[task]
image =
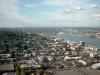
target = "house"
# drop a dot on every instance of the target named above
(66, 58)
(28, 63)
(96, 66)
(5, 55)
(85, 62)
(7, 67)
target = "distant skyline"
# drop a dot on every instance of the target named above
(49, 13)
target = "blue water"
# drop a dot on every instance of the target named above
(74, 38)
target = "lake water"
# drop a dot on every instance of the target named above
(74, 38)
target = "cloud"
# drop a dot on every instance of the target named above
(64, 12)
(19, 21)
(78, 8)
(93, 6)
(10, 16)
(68, 11)
(97, 15)
(54, 2)
(9, 6)
(74, 10)
(28, 5)
(8, 11)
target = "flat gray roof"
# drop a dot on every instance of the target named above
(81, 71)
(6, 67)
(66, 72)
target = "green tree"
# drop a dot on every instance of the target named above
(18, 70)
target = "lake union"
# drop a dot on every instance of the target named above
(74, 38)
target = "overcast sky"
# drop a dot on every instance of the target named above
(48, 13)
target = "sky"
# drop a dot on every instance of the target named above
(49, 13)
